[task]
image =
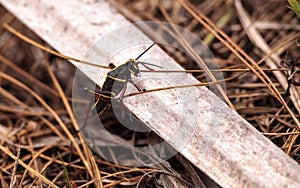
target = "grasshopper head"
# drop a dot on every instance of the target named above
(132, 66)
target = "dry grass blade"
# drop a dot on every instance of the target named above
(16, 82)
(31, 111)
(260, 43)
(70, 136)
(90, 163)
(33, 160)
(26, 75)
(200, 61)
(43, 178)
(13, 179)
(13, 31)
(178, 87)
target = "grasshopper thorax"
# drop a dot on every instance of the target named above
(132, 66)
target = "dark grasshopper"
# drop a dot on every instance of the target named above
(116, 82)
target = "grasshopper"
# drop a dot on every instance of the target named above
(118, 77)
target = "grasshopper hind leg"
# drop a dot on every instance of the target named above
(99, 103)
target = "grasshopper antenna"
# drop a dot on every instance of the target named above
(145, 51)
(145, 64)
(147, 67)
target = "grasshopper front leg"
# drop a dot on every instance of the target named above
(125, 87)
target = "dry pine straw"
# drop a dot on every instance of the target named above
(256, 95)
(36, 107)
(37, 115)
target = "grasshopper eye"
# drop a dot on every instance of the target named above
(133, 67)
